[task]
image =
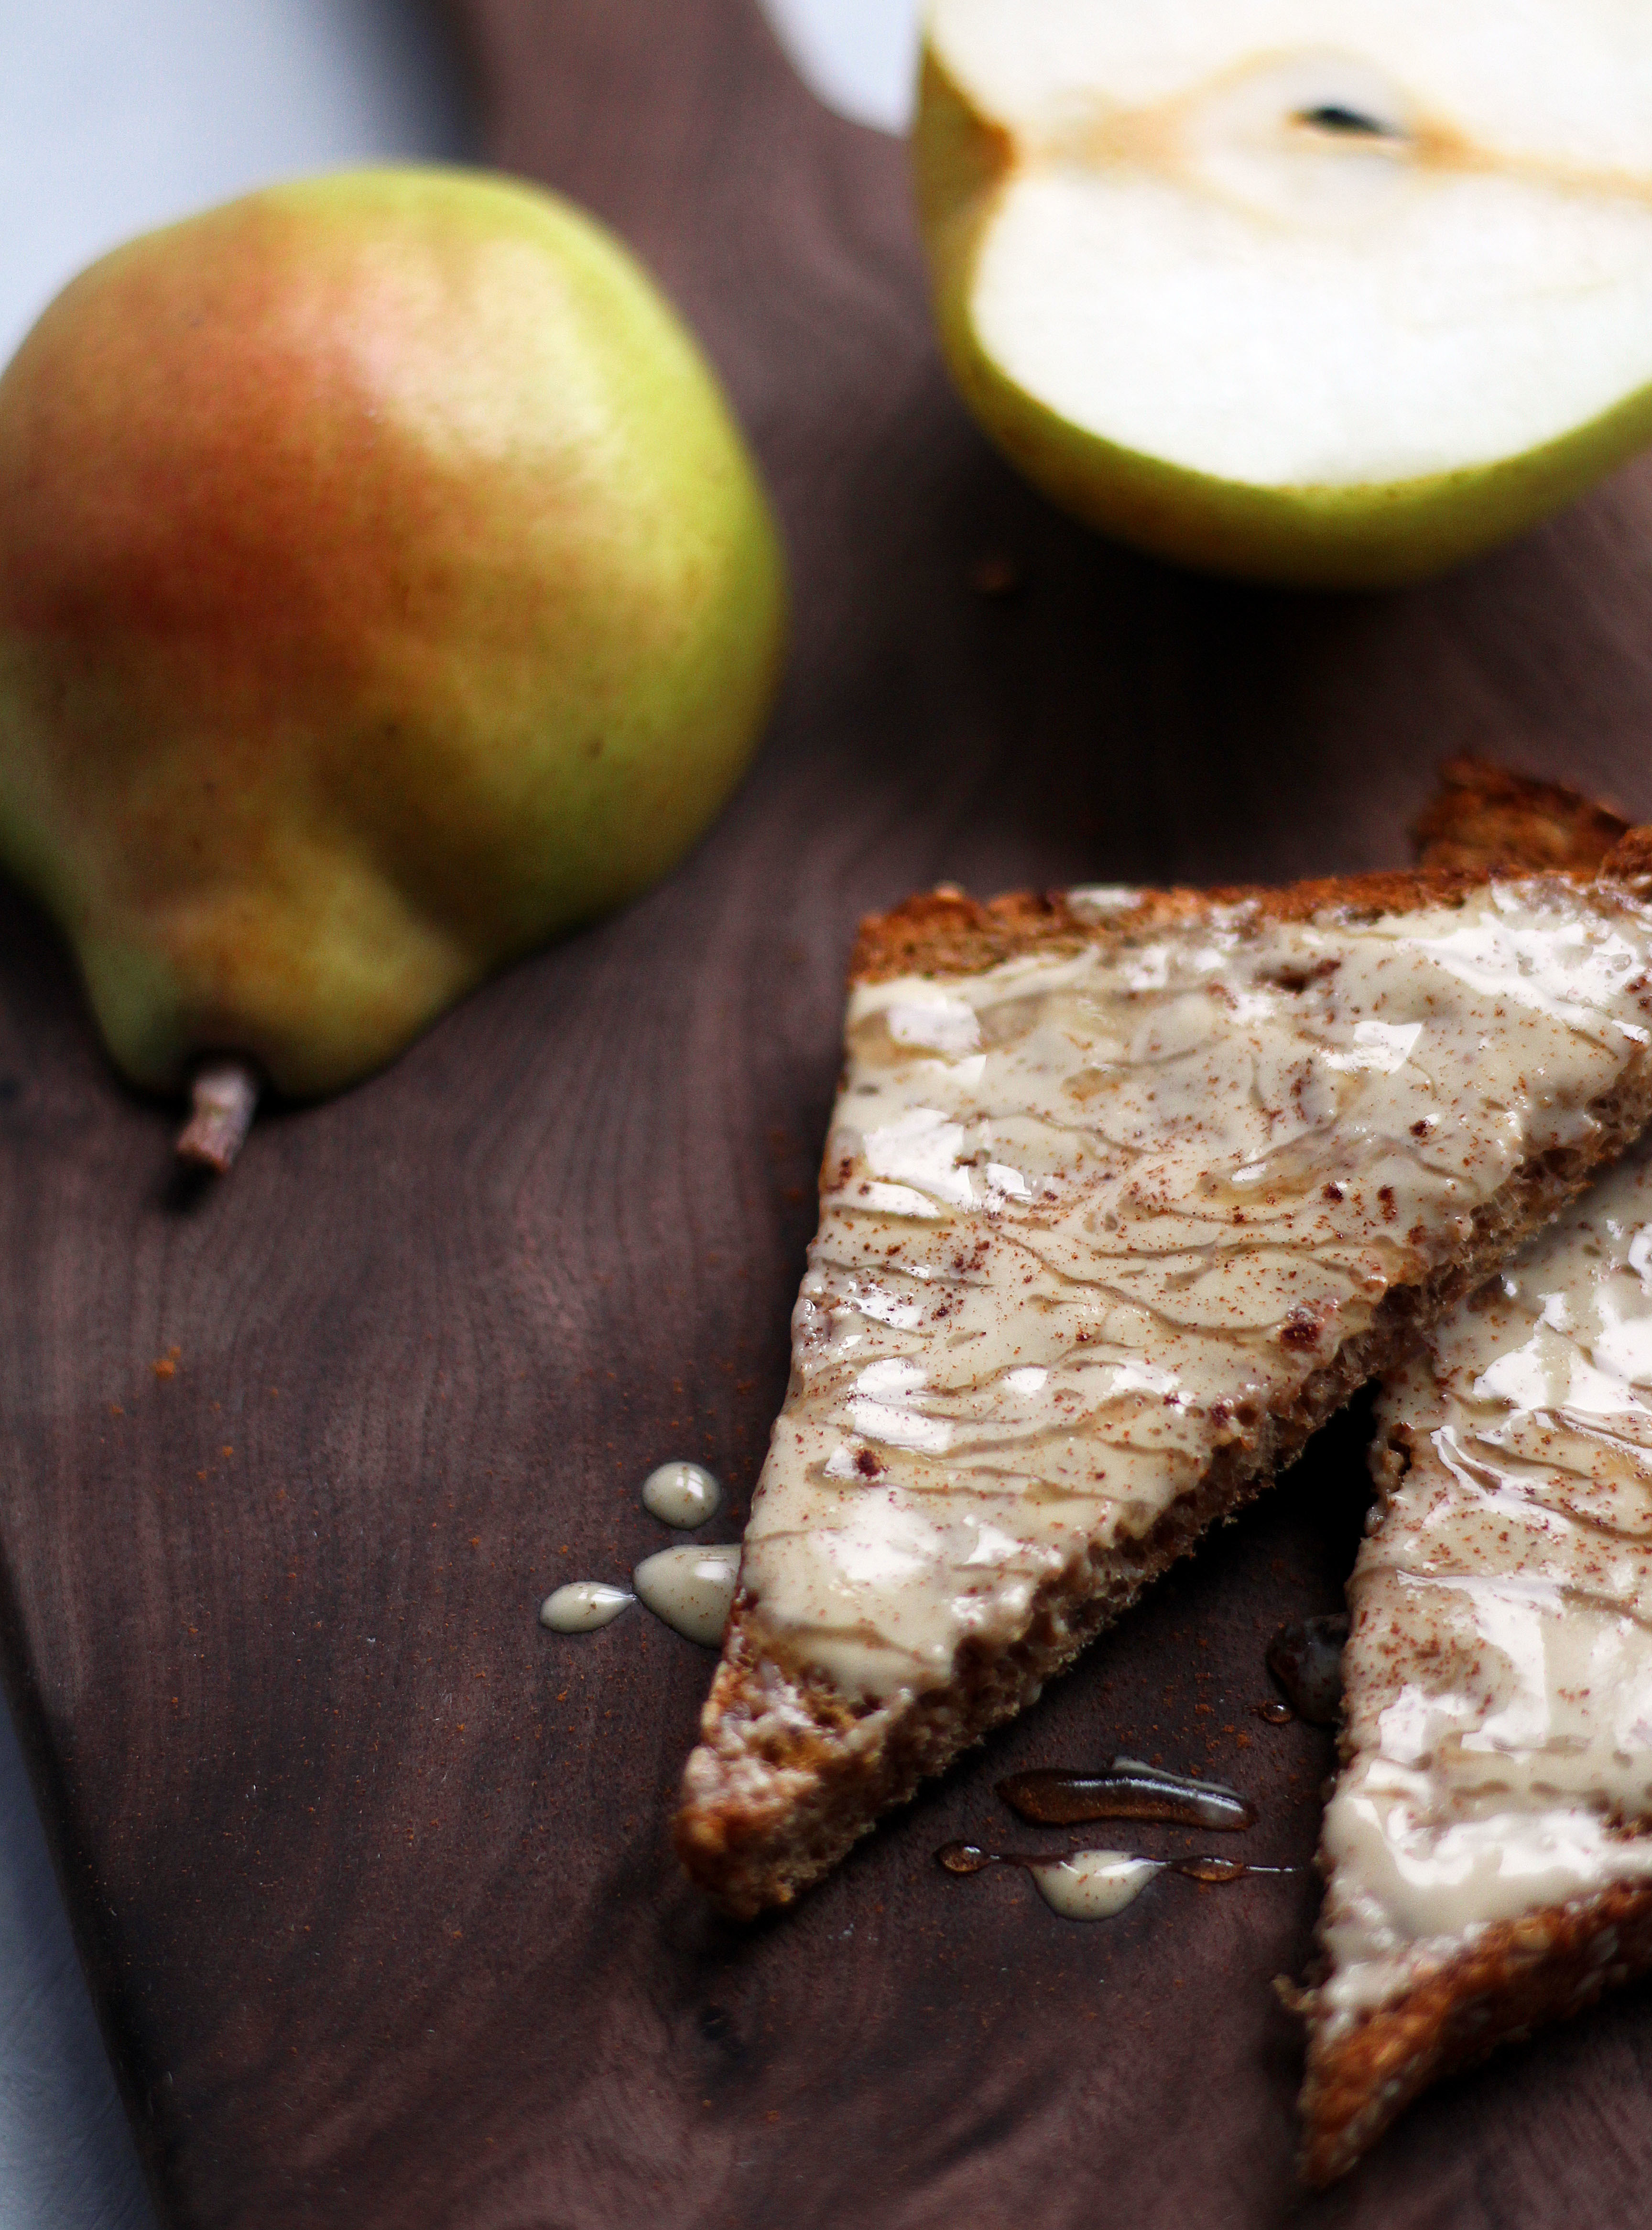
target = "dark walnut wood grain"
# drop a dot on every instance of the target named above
(372, 1875)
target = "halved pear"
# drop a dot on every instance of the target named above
(1325, 291)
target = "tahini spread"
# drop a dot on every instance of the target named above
(1498, 1679)
(1093, 1885)
(691, 1588)
(1085, 1219)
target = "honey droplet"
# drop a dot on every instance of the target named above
(1126, 1789)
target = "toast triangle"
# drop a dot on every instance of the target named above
(1125, 1193)
(1487, 1848)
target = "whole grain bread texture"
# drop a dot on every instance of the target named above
(1510, 1980)
(790, 1771)
(1485, 819)
(1556, 1960)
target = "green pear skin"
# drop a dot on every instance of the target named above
(384, 587)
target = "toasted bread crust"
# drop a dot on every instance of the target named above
(943, 933)
(791, 1772)
(1485, 820)
(1520, 1972)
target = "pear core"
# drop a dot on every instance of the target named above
(384, 587)
(1321, 290)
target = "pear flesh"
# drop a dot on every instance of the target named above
(1321, 290)
(384, 587)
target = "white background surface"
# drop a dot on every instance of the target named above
(861, 55)
(113, 119)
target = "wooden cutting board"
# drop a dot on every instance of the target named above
(370, 1874)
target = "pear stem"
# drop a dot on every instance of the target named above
(223, 1098)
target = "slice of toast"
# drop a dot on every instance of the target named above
(1511, 1545)
(1487, 1848)
(1125, 1193)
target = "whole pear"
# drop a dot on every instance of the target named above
(384, 587)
